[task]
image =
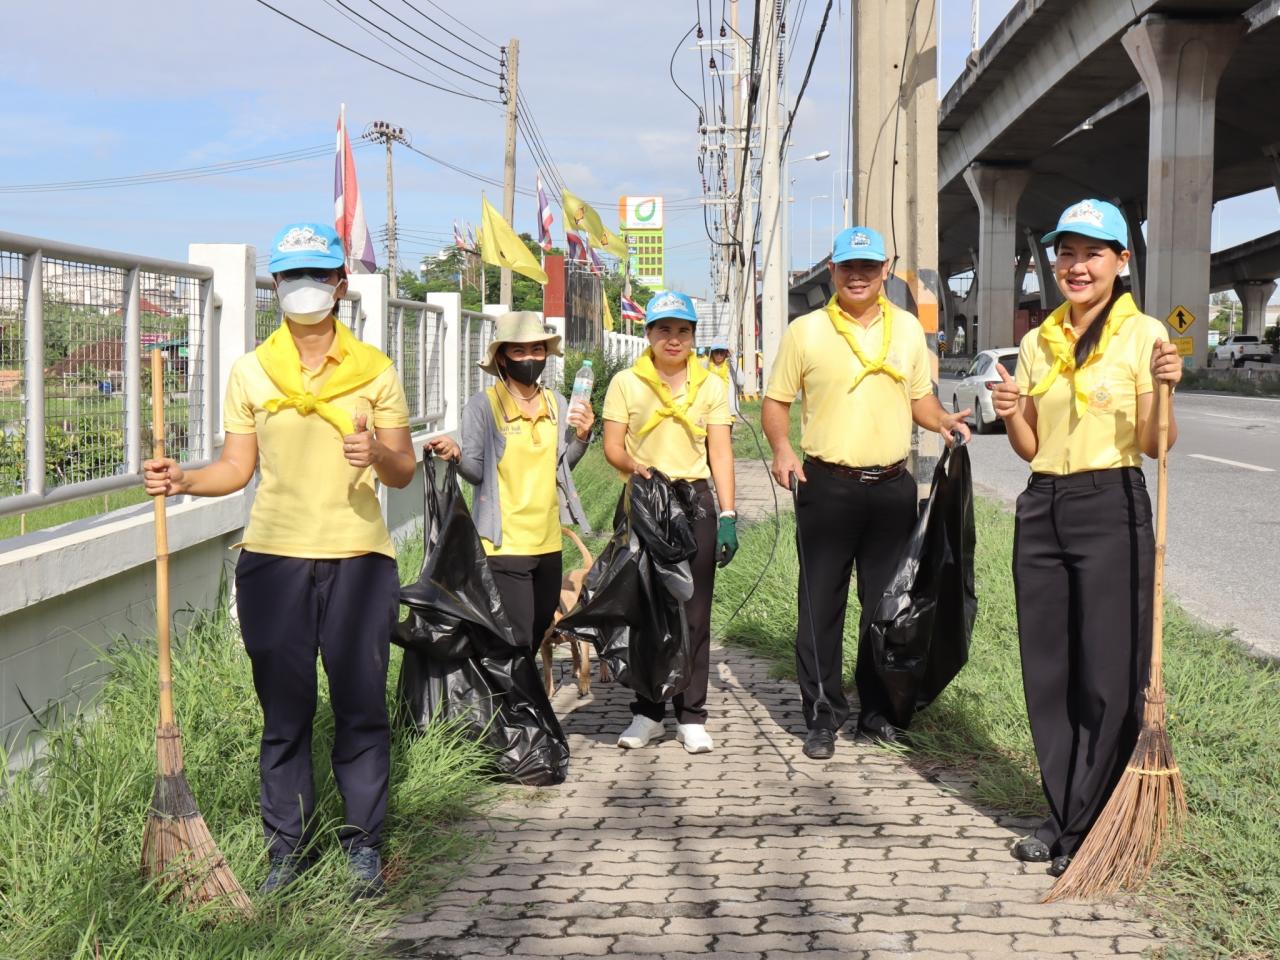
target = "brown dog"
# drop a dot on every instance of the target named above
(570, 590)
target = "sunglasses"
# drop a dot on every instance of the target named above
(311, 273)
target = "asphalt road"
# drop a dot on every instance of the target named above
(1223, 560)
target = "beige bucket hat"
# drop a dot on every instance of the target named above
(520, 326)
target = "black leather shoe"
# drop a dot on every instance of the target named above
(880, 730)
(820, 744)
(1031, 850)
(1059, 866)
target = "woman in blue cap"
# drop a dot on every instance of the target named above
(320, 414)
(668, 412)
(1081, 412)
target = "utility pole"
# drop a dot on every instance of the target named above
(773, 195)
(511, 64)
(389, 134)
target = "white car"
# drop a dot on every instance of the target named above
(973, 391)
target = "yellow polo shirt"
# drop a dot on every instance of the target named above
(310, 502)
(867, 426)
(1106, 435)
(668, 446)
(527, 494)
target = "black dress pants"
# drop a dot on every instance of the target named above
(530, 590)
(843, 524)
(690, 704)
(289, 610)
(1083, 568)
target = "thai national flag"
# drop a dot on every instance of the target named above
(457, 237)
(597, 265)
(348, 211)
(544, 217)
(577, 249)
(632, 312)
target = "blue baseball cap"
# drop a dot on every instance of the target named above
(720, 345)
(858, 243)
(670, 304)
(302, 245)
(1092, 218)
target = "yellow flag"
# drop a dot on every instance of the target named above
(608, 314)
(580, 215)
(502, 246)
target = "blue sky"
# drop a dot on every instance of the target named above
(99, 90)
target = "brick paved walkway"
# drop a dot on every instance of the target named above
(751, 852)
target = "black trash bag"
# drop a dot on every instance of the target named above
(461, 659)
(632, 602)
(922, 623)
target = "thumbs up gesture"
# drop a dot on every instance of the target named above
(361, 448)
(1004, 394)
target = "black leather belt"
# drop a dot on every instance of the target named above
(861, 474)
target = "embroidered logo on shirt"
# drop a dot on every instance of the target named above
(1101, 399)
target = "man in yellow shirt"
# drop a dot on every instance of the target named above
(317, 572)
(864, 372)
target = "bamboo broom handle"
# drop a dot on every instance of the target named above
(1162, 516)
(162, 544)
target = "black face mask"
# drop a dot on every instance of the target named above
(525, 372)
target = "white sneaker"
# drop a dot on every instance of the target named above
(641, 732)
(694, 736)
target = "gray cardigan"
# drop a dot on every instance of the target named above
(482, 448)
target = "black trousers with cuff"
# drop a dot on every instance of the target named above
(290, 609)
(530, 591)
(844, 524)
(1083, 569)
(690, 705)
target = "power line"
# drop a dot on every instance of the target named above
(183, 173)
(373, 60)
(431, 39)
(405, 43)
(450, 32)
(822, 28)
(482, 178)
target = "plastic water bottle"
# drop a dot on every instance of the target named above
(582, 384)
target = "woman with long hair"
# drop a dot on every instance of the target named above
(1082, 412)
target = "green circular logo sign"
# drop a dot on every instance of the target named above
(645, 210)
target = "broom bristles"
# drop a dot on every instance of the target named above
(177, 844)
(1147, 808)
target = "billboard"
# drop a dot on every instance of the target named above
(640, 213)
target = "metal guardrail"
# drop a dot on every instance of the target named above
(415, 341)
(74, 414)
(473, 339)
(624, 346)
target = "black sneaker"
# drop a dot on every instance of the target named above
(1031, 850)
(285, 868)
(365, 864)
(820, 744)
(879, 730)
(1059, 866)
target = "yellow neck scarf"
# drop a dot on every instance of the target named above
(278, 355)
(1053, 334)
(721, 370)
(842, 322)
(647, 372)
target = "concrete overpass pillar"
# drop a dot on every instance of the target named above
(1254, 296)
(1137, 250)
(1050, 295)
(996, 191)
(1180, 63)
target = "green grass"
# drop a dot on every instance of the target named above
(1219, 889)
(1207, 381)
(745, 446)
(45, 517)
(70, 829)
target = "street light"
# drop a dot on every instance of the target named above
(786, 206)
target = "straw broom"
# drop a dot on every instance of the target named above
(1148, 805)
(176, 843)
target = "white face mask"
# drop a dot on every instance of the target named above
(306, 301)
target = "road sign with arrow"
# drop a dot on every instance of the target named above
(1181, 319)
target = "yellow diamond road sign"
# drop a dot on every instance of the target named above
(1181, 319)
